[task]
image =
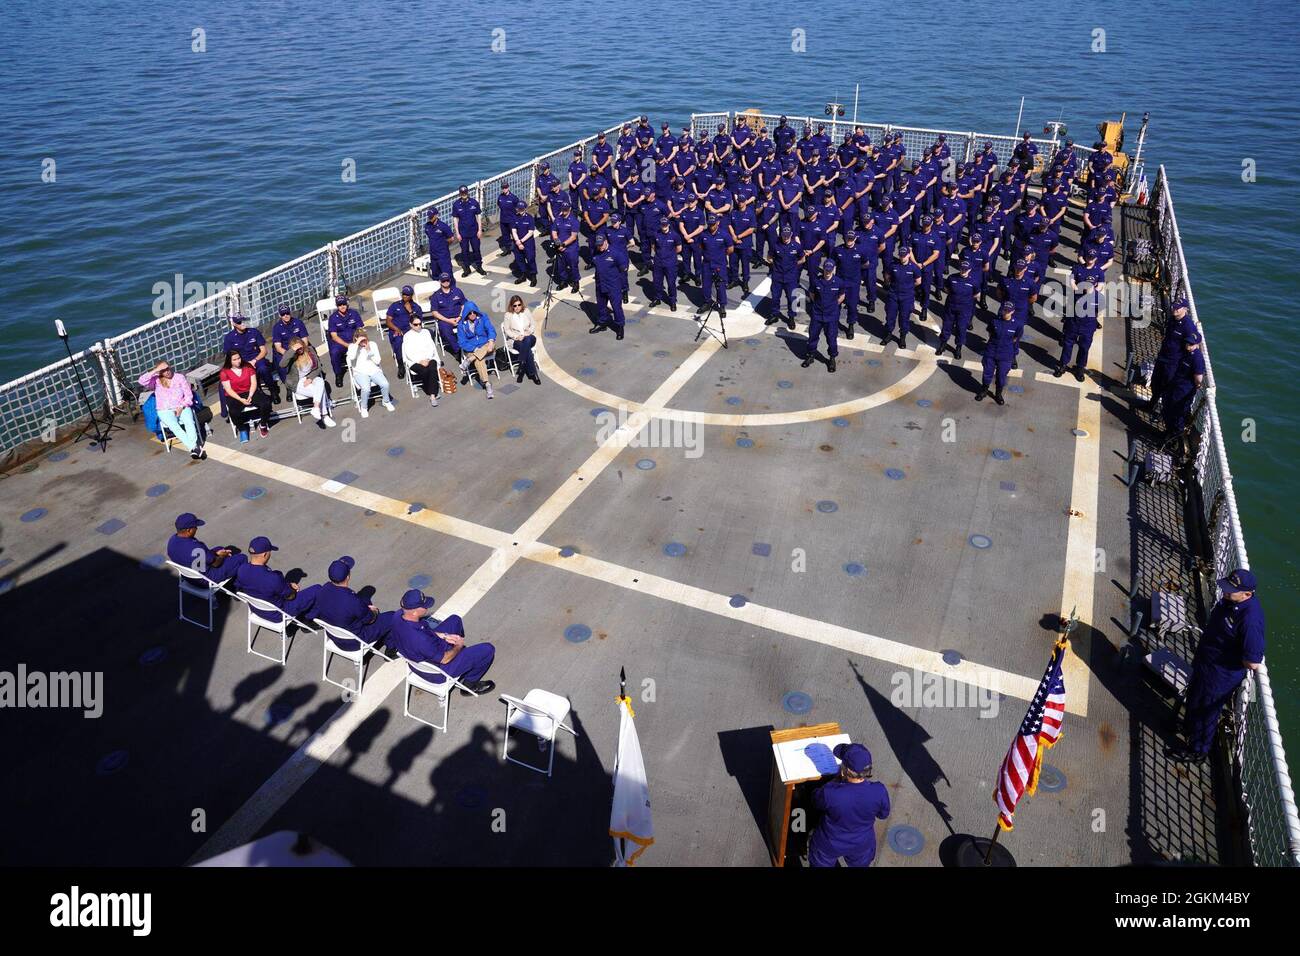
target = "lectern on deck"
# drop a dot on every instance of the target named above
(801, 755)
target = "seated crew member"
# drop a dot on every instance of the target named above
(343, 324)
(308, 380)
(850, 806)
(1231, 645)
(421, 357)
(363, 359)
(477, 339)
(184, 548)
(256, 579)
(285, 328)
(174, 403)
(397, 320)
(443, 644)
(244, 396)
(446, 306)
(336, 603)
(521, 337)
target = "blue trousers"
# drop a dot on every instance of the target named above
(828, 324)
(899, 311)
(566, 265)
(715, 283)
(440, 262)
(996, 365)
(525, 258)
(786, 285)
(609, 300)
(1072, 337)
(738, 267)
(470, 250)
(665, 281)
(1206, 698)
(955, 320)
(821, 854)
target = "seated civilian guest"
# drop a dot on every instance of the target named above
(256, 579)
(418, 639)
(521, 336)
(421, 358)
(363, 358)
(337, 604)
(184, 548)
(174, 401)
(245, 399)
(308, 380)
(477, 339)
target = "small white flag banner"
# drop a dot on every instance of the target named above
(629, 818)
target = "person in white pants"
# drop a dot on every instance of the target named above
(363, 357)
(309, 384)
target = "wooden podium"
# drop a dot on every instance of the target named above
(799, 755)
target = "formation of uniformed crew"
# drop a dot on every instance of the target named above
(408, 630)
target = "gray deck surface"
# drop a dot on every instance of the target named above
(194, 723)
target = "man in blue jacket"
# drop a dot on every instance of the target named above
(184, 548)
(477, 339)
(256, 579)
(850, 805)
(441, 643)
(337, 604)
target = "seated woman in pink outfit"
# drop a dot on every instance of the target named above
(174, 402)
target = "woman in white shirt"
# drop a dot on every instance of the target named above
(421, 359)
(521, 336)
(363, 358)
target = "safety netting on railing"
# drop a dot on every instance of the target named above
(374, 253)
(36, 406)
(187, 338)
(297, 284)
(1259, 758)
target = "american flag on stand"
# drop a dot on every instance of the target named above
(1040, 729)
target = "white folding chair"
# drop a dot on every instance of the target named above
(334, 633)
(511, 355)
(541, 714)
(197, 585)
(262, 615)
(423, 290)
(421, 676)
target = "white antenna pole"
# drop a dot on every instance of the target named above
(855, 103)
(1020, 115)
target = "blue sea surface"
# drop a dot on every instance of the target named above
(217, 165)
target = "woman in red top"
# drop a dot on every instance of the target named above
(244, 399)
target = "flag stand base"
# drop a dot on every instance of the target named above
(974, 851)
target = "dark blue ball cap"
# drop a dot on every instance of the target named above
(1019, 264)
(237, 320)
(546, 165)
(188, 520)
(850, 236)
(854, 756)
(444, 277)
(260, 545)
(964, 265)
(408, 290)
(1242, 579)
(340, 569)
(600, 239)
(927, 221)
(340, 300)
(415, 598)
(712, 220)
(285, 310)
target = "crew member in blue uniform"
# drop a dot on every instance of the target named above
(256, 579)
(609, 288)
(667, 250)
(784, 137)
(439, 237)
(849, 260)
(286, 327)
(960, 289)
(398, 320)
(928, 247)
(715, 249)
(508, 207)
(741, 227)
(824, 315)
(1183, 385)
(850, 806)
(577, 176)
(1179, 329)
(564, 232)
(999, 352)
(184, 548)
(902, 279)
(872, 245)
(524, 246)
(618, 235)
(602, 157)
(768, 229)
(692, 224)
(546, 181)
(813, 239)
(466, 211)
(341, 327)
(252, 348)
(786, 254)
(446, 305)
(1022, 292)
(337, 604)
(1078, 327)
(1231, 645)
(442, 643)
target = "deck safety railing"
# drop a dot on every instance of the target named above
(35, 407)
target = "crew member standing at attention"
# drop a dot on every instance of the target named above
(524, 246)
(928, 246)
(1179, 329)
(546, 182)
(741, 226)
(850, 807)
(619, 235)
(872, 245)
(667, 249)
(508, 207)
(440, 237)
(784, 271)
(692, 225)
(398, 321)
(1231, 645)
(577, 176)
(784, 137)
(999, 353)
(1183, 385)
(441, 643)
(1021, 292)
(1079, 326)
(848, 262)
(609, 289)
(466, 211)
(602, 158)
(256, 578)
(902, 279)
(716, 247)
(339, 605)
(958, 307)
(824, 316)
(185, 549)
(595, 218)
(564, 232)
(342, 326)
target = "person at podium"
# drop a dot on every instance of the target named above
(850, 805)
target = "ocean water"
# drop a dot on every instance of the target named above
(216, 165)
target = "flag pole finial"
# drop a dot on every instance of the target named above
(622, 681)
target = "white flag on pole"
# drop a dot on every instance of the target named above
(629, 818)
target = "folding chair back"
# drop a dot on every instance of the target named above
(195, 584)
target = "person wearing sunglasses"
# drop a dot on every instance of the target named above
(174, 402)
(421, 358)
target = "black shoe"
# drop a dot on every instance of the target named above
(831, 366)
(938, 349)
(464, 378)
(465, 273)
(479, 687)
(618, 333)
(789, 322)
(722, 313)
(532, 279)
(574, 287)
(596, 328)
(625, 298)
(338, 381)
(1078, 373)
(536, 380)
(1183, 755)
(519, 377)
(997, 397)
(902, 341)
(1058, 371)
(401, 374)
(957, 353)
(479, 269)
(702, 309)
(654, 303)
(673, 307)
(982, 393)
(744, 288)
(1015, 363)
(807, 360)
(196, 455)
(773, 319)
(849, 333)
